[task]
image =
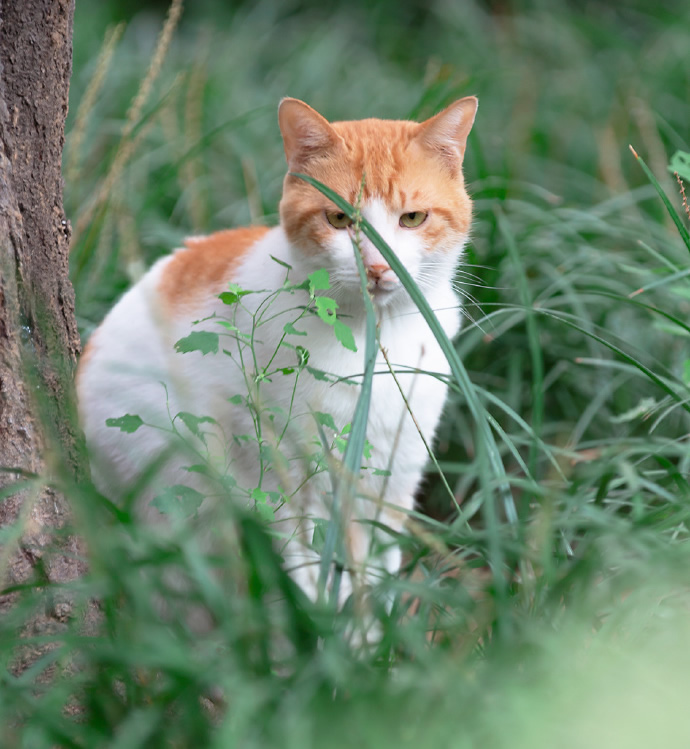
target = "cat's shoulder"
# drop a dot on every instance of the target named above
(205, 264)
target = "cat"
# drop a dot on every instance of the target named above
(278, 381)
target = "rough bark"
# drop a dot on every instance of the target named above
(39, 342)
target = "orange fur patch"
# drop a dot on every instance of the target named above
(203, 267)
(399, 170)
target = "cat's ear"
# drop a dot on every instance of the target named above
(305, 132)
(446, 132)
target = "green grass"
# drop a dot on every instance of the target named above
(558, 618)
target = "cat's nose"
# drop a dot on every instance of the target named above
(375, 272)
(381, 276)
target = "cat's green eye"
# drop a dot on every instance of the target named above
(338, 220)
(413, 219)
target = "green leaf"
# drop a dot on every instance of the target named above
(261, 503)
(200, 340)
(290, 329)
(227, 325)
(319, 374)
(319, 538)
(265, 512)
(281, 262)
(302, 356)
(325, 309)
(238, 290)
(680, 162)
(128, 423)
(326, 420)
(227, 297)
(192, 423)
(686, 371)
(178, 501)
(318, 281)
(344, 334)
(381, 472)
(236, 400)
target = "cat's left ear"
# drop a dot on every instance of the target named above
(446, 132)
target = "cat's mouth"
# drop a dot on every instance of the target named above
(382, 292)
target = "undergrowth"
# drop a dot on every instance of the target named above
(545, 601)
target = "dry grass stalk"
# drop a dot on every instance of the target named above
(128, 145)
(112, 37)
(684, 197)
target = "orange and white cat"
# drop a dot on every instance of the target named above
(414, 195)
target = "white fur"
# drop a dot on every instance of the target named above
(133, 352)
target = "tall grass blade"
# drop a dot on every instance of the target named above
(345, 487)
(487, 450)
(532, 337)
(685, 235)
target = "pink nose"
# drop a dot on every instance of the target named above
(375, 272)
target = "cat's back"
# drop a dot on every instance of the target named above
(176, 287)
(132, 352)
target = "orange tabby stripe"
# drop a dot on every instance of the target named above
(204, 266)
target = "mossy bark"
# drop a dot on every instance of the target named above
(39, 342)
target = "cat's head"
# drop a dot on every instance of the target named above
(414, 193)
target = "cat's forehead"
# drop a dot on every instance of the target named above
(385, 152)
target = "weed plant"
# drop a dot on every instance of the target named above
(544, 596)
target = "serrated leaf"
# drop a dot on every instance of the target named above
(326, 420)
(344, 334)
(128, 423)
(178, 501)
(261, 503)
(236, 289)
(680, 162)
(290, 329)
(236, 400)
(192, 423)
(319, 374)
(318, 281)
(200, 340)
(325, 309)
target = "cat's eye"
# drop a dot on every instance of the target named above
(413, 219)
(338, 220)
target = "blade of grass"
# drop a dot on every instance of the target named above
(345, 485)
(631, 360)
(685, 235)
(532, 337)
(487, 450)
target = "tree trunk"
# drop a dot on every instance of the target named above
(39, 342)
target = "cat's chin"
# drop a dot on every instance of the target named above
(383, 297)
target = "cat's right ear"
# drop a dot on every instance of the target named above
(446, 133)
(305, 132)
